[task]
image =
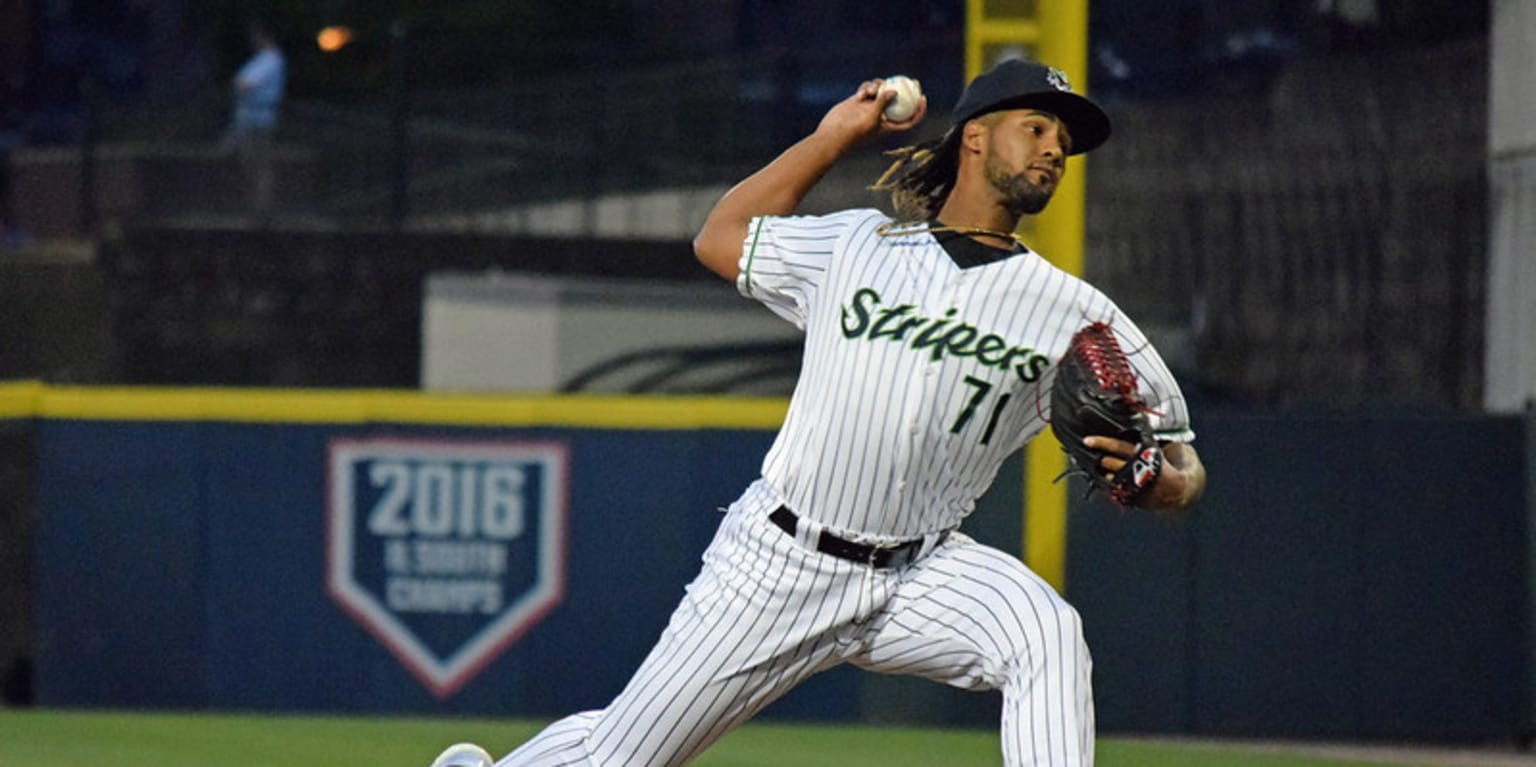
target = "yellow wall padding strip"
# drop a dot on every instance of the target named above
(36, 400)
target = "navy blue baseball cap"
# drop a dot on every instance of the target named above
(1024, 84)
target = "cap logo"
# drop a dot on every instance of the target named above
(1058, 79)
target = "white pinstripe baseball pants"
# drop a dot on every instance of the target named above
(766, 612)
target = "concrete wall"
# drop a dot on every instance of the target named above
(1511, 348)
(522, 333)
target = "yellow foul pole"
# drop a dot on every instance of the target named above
(1054, 32)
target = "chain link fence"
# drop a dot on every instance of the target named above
(1316, 234)
(1322, 241)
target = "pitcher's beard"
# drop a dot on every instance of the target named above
(1021, 196)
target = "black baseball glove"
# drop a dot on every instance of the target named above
(1094, 394)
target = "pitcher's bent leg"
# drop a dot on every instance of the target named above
(975, 617)
(762, 616)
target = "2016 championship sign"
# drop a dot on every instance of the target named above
(445, 550)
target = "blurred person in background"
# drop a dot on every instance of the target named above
(259, 87)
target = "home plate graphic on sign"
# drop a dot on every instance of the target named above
(446, 550)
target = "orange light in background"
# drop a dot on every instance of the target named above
(332, 39)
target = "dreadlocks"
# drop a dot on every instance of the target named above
(921, 175)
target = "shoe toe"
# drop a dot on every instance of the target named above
(464, 755)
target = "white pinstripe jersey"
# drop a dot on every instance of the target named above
(919, 377)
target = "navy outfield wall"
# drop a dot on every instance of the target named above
(392, 552)
(196, 561)
(379, 552)
(1343, 577)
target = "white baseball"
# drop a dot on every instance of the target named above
(901, 108)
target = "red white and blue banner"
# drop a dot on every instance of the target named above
(446, 550)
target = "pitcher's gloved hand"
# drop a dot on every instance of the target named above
(1094, 394)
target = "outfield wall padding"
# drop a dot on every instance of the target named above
(1343, 577)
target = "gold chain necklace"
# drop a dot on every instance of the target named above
(902, 228)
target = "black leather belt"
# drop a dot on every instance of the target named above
(881, 557)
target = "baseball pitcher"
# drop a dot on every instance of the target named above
(932, 344)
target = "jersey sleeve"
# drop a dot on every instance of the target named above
(1156, 384)
(785, 258)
